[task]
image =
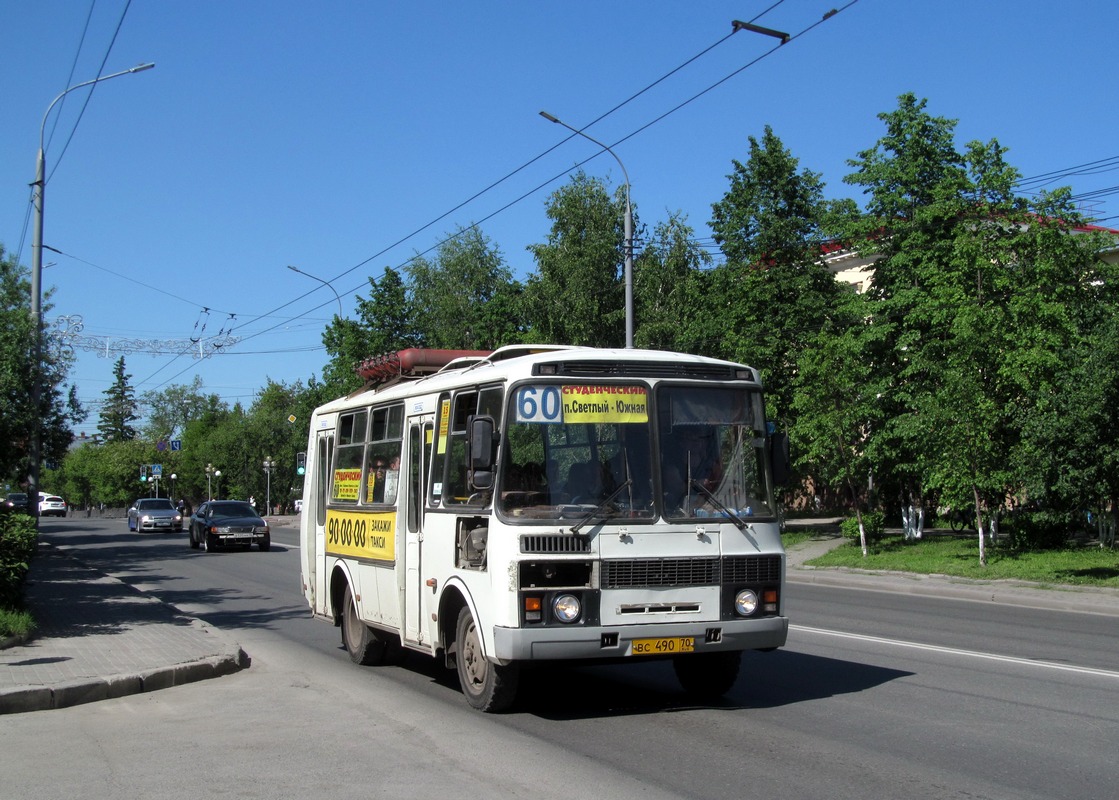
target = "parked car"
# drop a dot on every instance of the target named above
(154, 514)
(51, 505)
(218, 523)
(17, 501)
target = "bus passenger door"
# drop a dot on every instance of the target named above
(314, 514)
(414, 591)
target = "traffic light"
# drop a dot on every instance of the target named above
(300, 463)
(143, 473)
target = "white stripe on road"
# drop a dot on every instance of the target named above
(1106, 673)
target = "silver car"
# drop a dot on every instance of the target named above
(154, 514)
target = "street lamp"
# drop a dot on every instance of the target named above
(173, 477)
(211, 473)
(324, 283)
(34, 454)
(268, 465)
(628, 225)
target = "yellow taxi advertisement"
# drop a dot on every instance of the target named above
(355, 534)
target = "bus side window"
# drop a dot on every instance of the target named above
(382, 455)
(457, 489)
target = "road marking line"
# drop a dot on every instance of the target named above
(1106, 673)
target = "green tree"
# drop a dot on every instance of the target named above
(836, 403)
(271, 436)
(170, 410)
(978, 302)
(773, 293)
(464, 297)
(58, 409)
(385, 323)
(119, 409)
(576, 295)
(667, 285)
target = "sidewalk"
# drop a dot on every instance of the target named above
(100, 638)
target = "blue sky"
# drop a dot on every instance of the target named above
(343, 137)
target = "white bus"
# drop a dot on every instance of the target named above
(546, 503)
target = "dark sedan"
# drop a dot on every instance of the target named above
(219, 523)
(18, 501)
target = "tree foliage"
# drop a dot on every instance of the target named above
(980, 297)
(58, 409)
(465, 297)
(119, 409)
(668, 281)
(385, 323)
(576, 295)
(773, 292)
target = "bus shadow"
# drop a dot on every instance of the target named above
(767, 680)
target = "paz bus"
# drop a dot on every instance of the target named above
(547, 504)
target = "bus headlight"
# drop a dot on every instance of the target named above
(746, 602)
(566, 607)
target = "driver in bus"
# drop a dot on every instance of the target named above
(692, 454)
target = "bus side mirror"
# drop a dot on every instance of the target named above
(483, 441)
(779, 458)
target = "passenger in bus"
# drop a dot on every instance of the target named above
(375, 482)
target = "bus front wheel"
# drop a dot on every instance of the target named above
(487, 686)
(365, 646)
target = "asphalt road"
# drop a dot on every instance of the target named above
(877, 695)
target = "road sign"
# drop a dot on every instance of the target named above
(157, 470)
(176, 445)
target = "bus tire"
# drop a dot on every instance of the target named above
(707, 676)
(488, 687)
(364, 645)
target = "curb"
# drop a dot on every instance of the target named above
(1017, 593)
(89, 690)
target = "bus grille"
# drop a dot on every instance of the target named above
(752, 569)
(641, 572)
(660, 572)
(554, 543)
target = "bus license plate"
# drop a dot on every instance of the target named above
(662, 647)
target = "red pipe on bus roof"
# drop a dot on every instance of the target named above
(414, 360)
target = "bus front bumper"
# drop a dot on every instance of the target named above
(555, 643)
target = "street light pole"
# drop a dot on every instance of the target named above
(34, 450)
(628, 225)
(327, 284)
(268, 465)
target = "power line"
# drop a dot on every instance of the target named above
(89, 96)
(537, 188)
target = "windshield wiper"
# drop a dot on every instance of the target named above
(737, 520)
(597, 509)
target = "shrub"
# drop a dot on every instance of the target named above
(18, 540)
(1036, 530)
(874, 523)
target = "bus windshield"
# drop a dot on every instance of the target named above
(712, 445)
(571, 448)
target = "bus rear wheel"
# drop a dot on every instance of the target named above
(365, 646)
(707, 676)
(488, 687)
